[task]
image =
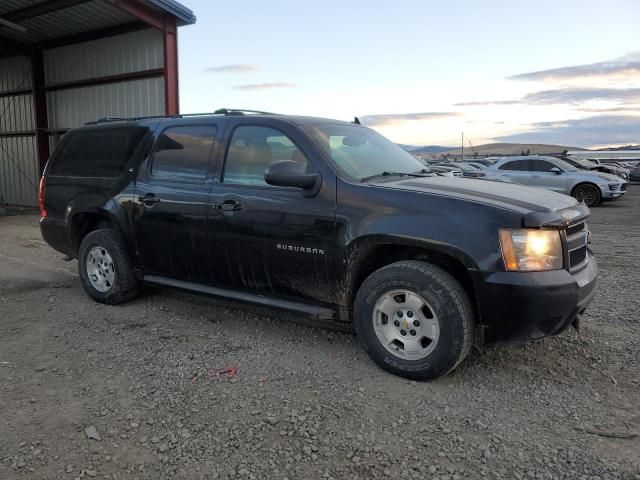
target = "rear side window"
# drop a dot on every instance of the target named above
(520, 165)
(182, 153)
(99, 152)
(541, 166)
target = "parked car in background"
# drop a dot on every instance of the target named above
(481, 166)
(634, 173)
(482, 161)
(613, 169)
(443, 169)
(468, 170)
(557, 175)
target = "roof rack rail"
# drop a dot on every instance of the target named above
(221, 111)
(240, 111)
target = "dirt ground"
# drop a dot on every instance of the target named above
(178, 386)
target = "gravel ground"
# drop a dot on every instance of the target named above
(177, 386)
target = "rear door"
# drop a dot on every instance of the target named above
(171, 197)
(266, 238)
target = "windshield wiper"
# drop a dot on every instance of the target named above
(387, 173)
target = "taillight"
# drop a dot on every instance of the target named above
(43, 210)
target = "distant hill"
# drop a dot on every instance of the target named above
(513, 149)
(424, 149)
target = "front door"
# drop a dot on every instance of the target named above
(172, 202)
(542, 176)
(267, 238)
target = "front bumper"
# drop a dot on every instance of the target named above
(518, 307)
(608, 194)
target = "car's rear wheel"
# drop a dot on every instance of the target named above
(414, 320)
(587, 193)
(105, 270)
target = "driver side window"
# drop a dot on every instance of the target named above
(252, 149)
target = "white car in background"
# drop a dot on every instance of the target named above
(557, 175)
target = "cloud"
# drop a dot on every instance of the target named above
(580, 95)
(566, 96)
(596, 130)
(627, 65)
(264, 86)
(395, 118)
(627, 108)
(237, 68)
(487, 102)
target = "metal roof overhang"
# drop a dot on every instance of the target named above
(30, 25)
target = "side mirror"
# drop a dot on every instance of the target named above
(556, 170)
(287, 173)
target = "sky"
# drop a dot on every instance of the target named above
(422, 72)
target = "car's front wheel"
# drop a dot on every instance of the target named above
(414, 320)
(587, 193)
(105, 270)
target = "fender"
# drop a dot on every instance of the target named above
(359, 252)
(113, 210)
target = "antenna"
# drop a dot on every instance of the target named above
(356, 120)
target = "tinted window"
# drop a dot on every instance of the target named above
(96, 151)
(520, 165)
(541, 166)
(252, 149)
(182, 153)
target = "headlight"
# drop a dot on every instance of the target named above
(529, 250)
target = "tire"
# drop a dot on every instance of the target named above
(587, 193)
(113, 280)
(445, 301)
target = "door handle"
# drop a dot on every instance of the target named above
(149, 199)
(230, 205)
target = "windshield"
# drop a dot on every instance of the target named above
(565, 165)
(359, 152)
(578, 162)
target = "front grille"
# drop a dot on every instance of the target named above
(578, 256)
(577, 240)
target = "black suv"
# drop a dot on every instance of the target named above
(322, 217)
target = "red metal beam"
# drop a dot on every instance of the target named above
(171, 89)
(40, 106)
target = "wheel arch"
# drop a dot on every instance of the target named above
(81, 222)
(589, 183)
(370, 253)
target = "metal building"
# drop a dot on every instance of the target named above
(66, 62)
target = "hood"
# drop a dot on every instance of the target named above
(609, 177)
(503, 195)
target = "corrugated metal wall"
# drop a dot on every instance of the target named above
(19, 170)
(132, 52)
(72, 107)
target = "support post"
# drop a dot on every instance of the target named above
(170, 40)
(40, 106)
